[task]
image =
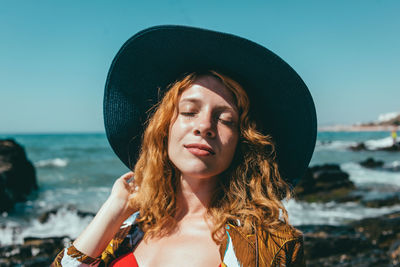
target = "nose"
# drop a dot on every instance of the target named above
(204, 126)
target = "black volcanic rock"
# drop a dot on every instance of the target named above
(17, 174)
(371, 163)
(392, 148)
(382, 202)
(34, 251)
(367, 242)
(383, 230)
(325, 240)
(325, 183)
(359, 147)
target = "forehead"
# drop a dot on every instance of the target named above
(208, 88)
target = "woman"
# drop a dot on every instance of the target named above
(207, 189)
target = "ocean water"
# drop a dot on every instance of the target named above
(76, 172)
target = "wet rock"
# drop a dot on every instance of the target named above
(359, 147)
(325, 183)
(380, 165)
(34, 251)
(381, 202)
(371, 163)
(373, 257)
(326, 240)
(382, 231)
(392, 148)
(17, 174)
(368, 242)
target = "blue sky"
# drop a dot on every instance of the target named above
(54, 55)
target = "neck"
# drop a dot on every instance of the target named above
(194, 196)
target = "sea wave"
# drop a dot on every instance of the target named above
(372, 144)
(65, 222)
(57, 163)
(331, 213)
(379, 143)
(68, 222)
(360, 175)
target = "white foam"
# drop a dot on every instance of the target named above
(301, 213)
(65, 222)
(393, 165)
(360, 175)
(379, 143)
(57, 162)
(83, 198)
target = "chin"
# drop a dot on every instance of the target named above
(199, 172)
(197, 168)
(202, 176)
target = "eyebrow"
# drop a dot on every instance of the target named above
(191, 100)
(198, 101)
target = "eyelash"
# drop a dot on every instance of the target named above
(189, 114)
(192, 114)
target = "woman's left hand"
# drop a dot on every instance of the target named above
(117, 208)
(123, 191)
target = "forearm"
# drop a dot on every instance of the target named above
(97, 235)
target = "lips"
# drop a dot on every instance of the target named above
(200, 149)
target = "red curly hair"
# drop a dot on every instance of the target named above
(249, 191)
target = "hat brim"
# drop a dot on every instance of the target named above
(149, 61)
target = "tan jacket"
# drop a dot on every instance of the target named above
(265, 249)
(237, 249)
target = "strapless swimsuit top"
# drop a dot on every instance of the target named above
(127, 260)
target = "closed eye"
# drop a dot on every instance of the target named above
(188, 114)
(227, 122)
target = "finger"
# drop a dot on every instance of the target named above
(133, 186)
(136, 189)
(127, 176)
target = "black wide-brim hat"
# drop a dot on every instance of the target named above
(149, 61)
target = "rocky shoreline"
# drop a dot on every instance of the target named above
(368, 242)
(371, 241)
(33, 252)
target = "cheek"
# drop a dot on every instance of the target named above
(229, 137)
(177, 132)
(233, 144)
(230, 140)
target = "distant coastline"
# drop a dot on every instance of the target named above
(358, 128)
(386, 123)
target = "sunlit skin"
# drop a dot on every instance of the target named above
(203, 137)
(201, 144)
(202, 140)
